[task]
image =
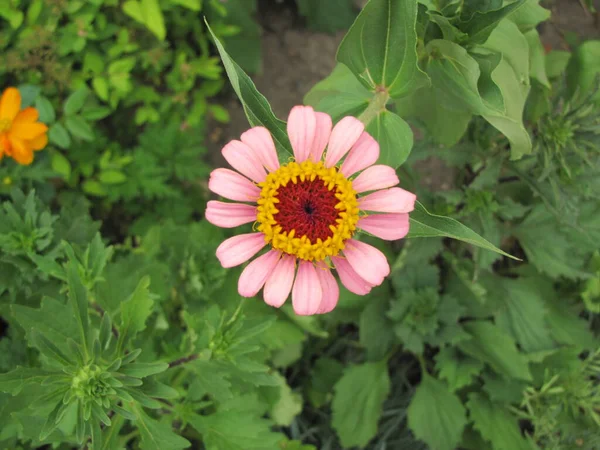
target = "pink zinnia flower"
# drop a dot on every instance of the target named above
(308, 211)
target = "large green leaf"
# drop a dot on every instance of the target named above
(12, 382)
(583, 68)
(512, 77)
(496, 424)
(455, 74)
(530, 15)
(257, 108)
(481, 24)
(358, 402)
(136, 310)
(339, 95)
(381, 46)
(537, 58)
(425, 224)
(444, 124)
(493, 346)
(53, 319)
(523, 313)
(436, 416)
(157, 435)
(394, 136)
(456, 368)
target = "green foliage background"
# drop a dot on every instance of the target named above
(118, 327)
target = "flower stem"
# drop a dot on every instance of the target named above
(376, 106)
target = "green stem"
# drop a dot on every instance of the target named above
(376, 106)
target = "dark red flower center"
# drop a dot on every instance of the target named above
(307, 207)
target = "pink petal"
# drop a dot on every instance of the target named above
(244, 160)
(331, 290)
(344, 135)
(239, 249)
(279, 284)
(301, 127)
(260, 141)
(367, 261)
(393, 200)
(322, 134)
(307, 292)
(256, 273)
(375, 177)
(232, 185)
(362, 155)
(350, 279)
(385, 226)
(229, 215)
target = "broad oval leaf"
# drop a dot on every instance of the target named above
(381, 46)
(257, 108)
(394, 136)
(358, 401)
(436, 416)
(425, 224)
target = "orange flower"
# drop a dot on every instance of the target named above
(20, 132)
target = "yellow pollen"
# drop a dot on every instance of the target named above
(301, 246)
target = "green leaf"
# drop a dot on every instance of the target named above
(557, 62)
(496, 348)
(79, 303)
(381, 47)
(523, 314)
(512, 77)
(157, 435)
(257, 108)
(135, 310)
(376, 332)
(79, 128)
(530, 15)
(394, 136)
(148, 13)
(436, 416)
(14, 381)
(53, 319)
(339, 95)
(48, 349)
(457, 369)
(548, 247)
(455, 74)
(537, 58)
(237, 425)
(584, 68)
(445, 125)
(100, 85)
(61, 165)
(58, 135)
(75, 101)
(46, 110)
(287, 405)
(496, 424)
(112, 177)
(481, 24)
(425, 224)
(142, 370)
(357, 405)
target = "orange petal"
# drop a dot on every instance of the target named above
(27, 115)
(4, 144)
(10, 103)
(27, 131)
(21, 152)
(39, 142)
